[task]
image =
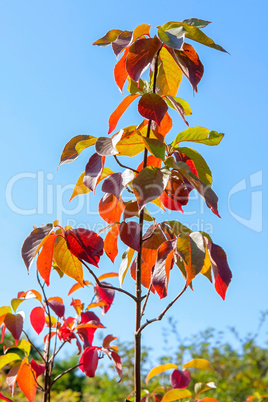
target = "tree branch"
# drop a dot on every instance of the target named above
(101, 285)
(159, 318)
(124, 166)
(37, 350)
(62, 374)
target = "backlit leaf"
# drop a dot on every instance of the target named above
(180, 379)
(177, 106)
(199, 364)
(14, 323)
(85, 245)
(152, 107)
(200, 135)
(140, 56)
(125, 263)
(8, 358)
(115, 116)
(169, 74)
(160, 369)
(110, 208)
(163, 265)
(156, 147)
(110, 242)
(93, 171)
(89, 361)
(130, 234)
(37, 318)
(77, 286)
(132, 209)
(108, 38)
(44, 259)
(32, 242)
(172, 37)
(105, 295)
(26, 380)
(149, 184)
(195, 22)
(117, 363)
(39, 369)
(23, 345)
(75, 146)
(56, 304)
(176, 394)
(120, 72)
(141, 30)
(221, 271)
(131, 144)
(189, 63)
(202, 387)
(67, 262)
(80, 188)
(204, 172)
(4, 398)
(108, 275)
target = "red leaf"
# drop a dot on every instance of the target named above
(110, 208)
(163, 265)
(87, 334)
(14, 323)
(220, 267)
(38, 368)
(165, 126)
(89, 361)
(176, 193)
(107, 340)
(44, 260)
(85, 244)
(116, 182)
(115, 116)
(180, 379)
(152, 107)
(130, 234)
(189, 63)
(106, 295)
(110, 242)
(57, 307)
(93, 171)
(117, 364)
(141, 55)
(120, 72)
(37, 318)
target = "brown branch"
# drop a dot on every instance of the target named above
(146, 299)
(59, 348)
(124, 166)
(159, 318)
(101, 285)
(62, 374)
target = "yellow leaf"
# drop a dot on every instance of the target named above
(176, 394)
(160, 369)
(66, 261)
(169, 76)
(80, 188)
(6, 359)
(199, 364)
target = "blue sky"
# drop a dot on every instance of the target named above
(55, 85)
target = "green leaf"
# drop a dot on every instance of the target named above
(160, 369)
(156, 147)
(176, 394)
(195, 22)
(198, 134)
(172, 37)
(199, 364)
(75, 146)
(141, 87)
(201, 166)
(108, 38)
(6, 359)
(194, 33)
(149, 184)
(175, 228)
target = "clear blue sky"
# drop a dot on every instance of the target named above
(55, 85)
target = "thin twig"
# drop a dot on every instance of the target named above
(62, 374)
(37, 350)
(159, 318)
(101, 285)
(59, 348)
(124, 166)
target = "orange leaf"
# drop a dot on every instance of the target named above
(163, 265)
(165, 126)
(44, 260)
(26, 380)
(115, 116)
(110, 242)
(77, 286)
(110, 208)
(120, 72)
